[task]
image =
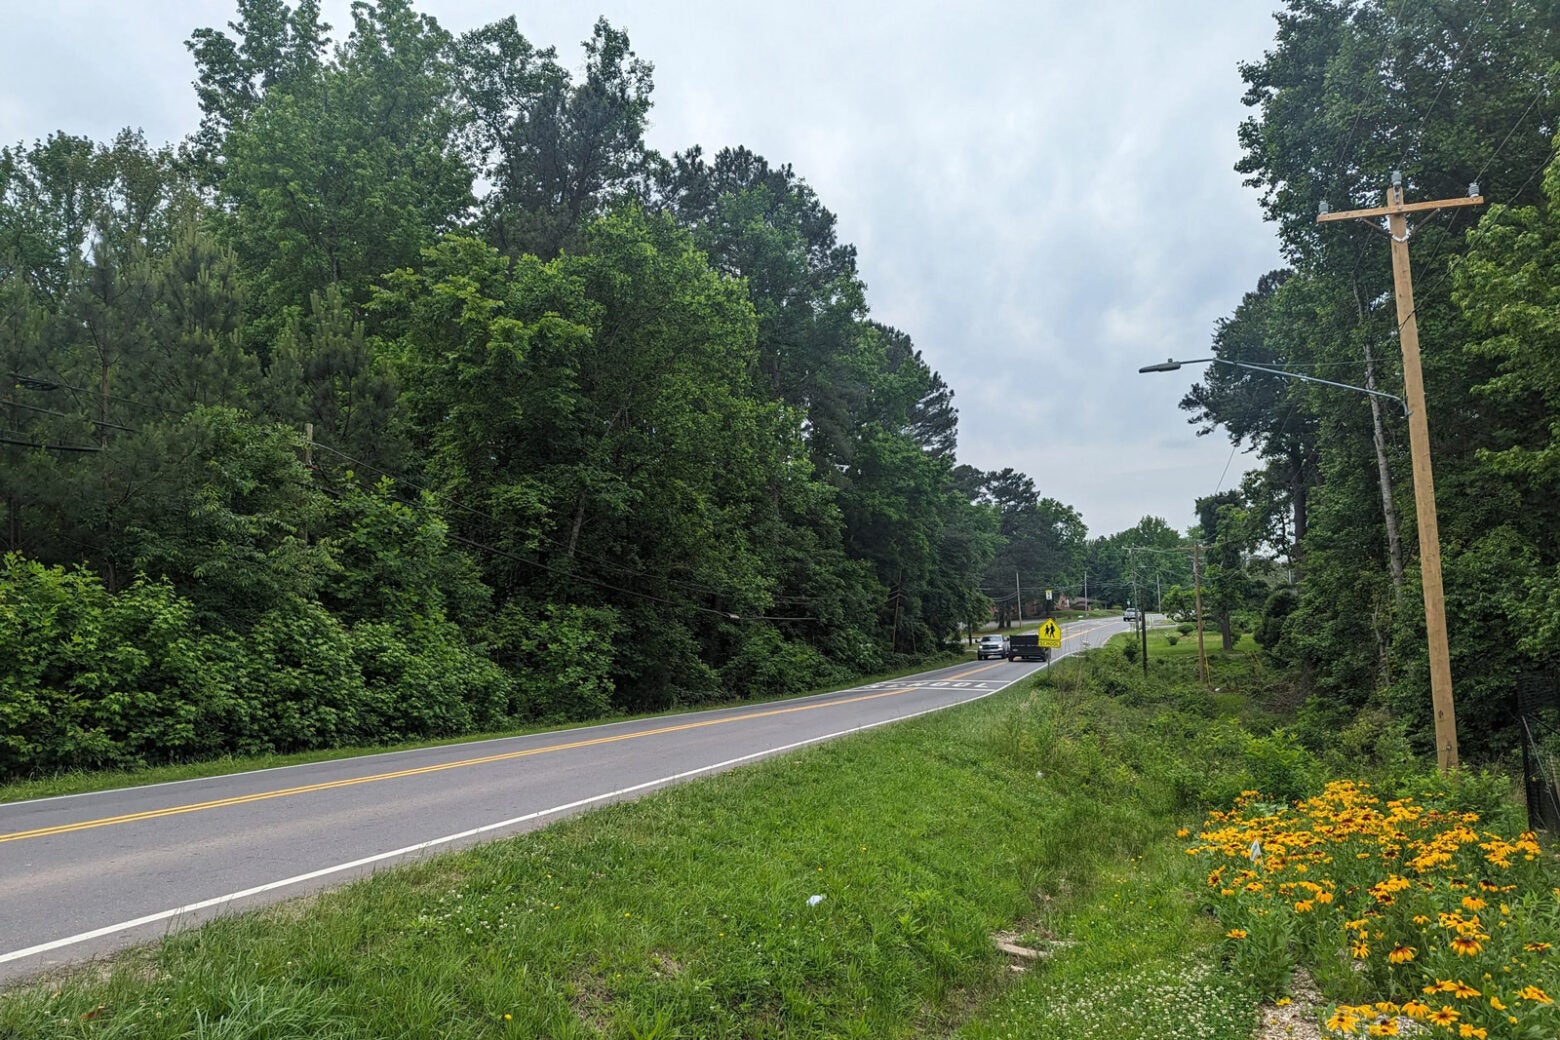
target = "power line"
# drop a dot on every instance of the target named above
(68, 415)
(48, 447)
(570, 574)
(445, 499)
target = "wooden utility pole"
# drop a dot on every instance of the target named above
(1396, 211)
(1202, 655)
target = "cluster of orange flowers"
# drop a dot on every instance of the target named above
(1395, 907)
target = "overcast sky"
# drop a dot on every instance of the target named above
(1042, 192)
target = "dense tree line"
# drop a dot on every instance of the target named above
(591, 429)
(1448, 93)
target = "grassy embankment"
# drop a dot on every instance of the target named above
(1049, 811)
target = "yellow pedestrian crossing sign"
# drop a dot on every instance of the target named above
(1050, 634)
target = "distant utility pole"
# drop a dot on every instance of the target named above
(1396, 211)
(1202, 654)
(1018, 594)
(1142, 618)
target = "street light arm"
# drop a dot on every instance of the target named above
(1171, 365)
(1313, 379)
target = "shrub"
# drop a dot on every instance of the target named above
(559, 658)
(769, 665)
(91, 680)
(300, 684)
(427, 683)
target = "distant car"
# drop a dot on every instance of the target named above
(991, 646)
(1130, 615)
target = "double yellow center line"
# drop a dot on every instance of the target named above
(287, 792)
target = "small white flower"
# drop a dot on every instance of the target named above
(814, 900)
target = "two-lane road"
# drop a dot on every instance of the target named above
(86, 874)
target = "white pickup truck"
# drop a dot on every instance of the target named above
(991, 646)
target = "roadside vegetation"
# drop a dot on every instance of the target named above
(834, 892)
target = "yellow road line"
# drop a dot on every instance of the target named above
(261, 796)
(973, 671)
(1083, 632)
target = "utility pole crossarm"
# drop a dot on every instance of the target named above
(1409, 207)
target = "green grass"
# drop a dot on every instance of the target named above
(1049, 810)
(107, 780)
(1135, 966)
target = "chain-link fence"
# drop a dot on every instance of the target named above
(1538, 712)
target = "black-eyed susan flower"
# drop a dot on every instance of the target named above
(1465, 946)
(1402, 954)
(1341, 1021)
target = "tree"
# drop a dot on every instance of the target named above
(559, 153)
(332, 173)
(766, 226)
(1040, 538)
(1447, 93)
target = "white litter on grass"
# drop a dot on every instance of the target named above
(814, 900)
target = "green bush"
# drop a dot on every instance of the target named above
(560, 658)
(299, 684)
(90, 680)
(1280, 769)
(768, 665)
(49, 620)
(425, 684)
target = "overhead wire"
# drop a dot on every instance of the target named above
(42, 384)
(446, 500)
(569, 574)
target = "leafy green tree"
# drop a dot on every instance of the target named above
(1231, 537)
(765, 225)
(276, 47)
(1351, 90)
(218, 504)
(332, 172)
(323, 372)
(1273, 414)
(1124, 566)
(558, 153)
(593, 418)
(1041, 538)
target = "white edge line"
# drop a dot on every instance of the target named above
(298, 879)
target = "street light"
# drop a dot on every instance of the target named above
(1171, 365)
(1424, 500)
